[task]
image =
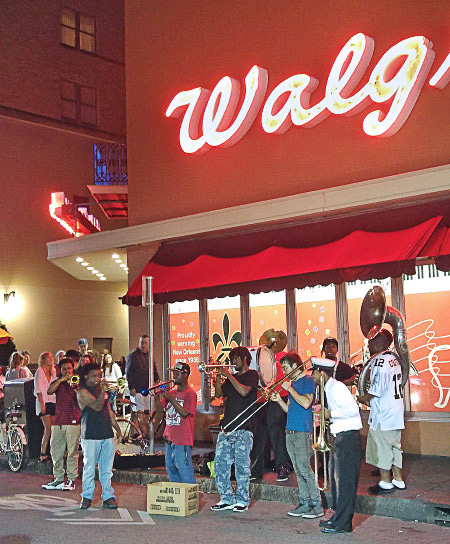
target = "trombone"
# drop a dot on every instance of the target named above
(320, 442)
(267, 394)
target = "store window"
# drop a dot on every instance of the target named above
(224, 327)
(184, 326)
(77, 30)
(316, 318)
(78, 103)
(267, 311)
(427, 303)
(356, 291)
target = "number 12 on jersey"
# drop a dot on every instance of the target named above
(398, 389)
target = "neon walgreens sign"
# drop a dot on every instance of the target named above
(210, 118)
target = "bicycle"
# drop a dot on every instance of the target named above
(133, 441)
(16, 441)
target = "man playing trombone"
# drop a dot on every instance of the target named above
(235, 440)
(299, 428)
(346, 459)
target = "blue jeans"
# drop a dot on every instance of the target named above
(233, 449)
(179, 463)
(99, 452)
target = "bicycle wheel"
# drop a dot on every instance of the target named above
(15, 449)
(131, 441)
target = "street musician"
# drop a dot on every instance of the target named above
(180, 405)
(386, 420)
(270, 421)
(342, 372)
(240, 390)
(299, 428)
(346, 458)
(65, 429)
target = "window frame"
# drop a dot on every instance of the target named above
(78, 31)
(397, 296)
(79, 103)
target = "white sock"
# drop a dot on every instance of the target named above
(385, 485)
(397, 483)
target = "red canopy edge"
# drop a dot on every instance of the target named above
(359, 255)
(443, 258)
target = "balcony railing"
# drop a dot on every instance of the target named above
(110, 164)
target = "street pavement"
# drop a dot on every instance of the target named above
(32, 515)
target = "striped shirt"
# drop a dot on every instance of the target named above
(67, 410)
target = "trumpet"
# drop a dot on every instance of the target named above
(122, 383)
(156, 389)
(203, 367)
(74, 379)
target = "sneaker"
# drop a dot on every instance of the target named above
(85, 503)
(326, 523)
(239, 507)
(222, 506)
(69, 486)
(378, 490)
(283, 474)
(110, 503)
(315, 511)
(56, 484)
(399, 484)
(302, 508)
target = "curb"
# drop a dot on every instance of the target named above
(393, 506)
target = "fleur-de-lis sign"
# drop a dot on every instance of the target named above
(225, 340)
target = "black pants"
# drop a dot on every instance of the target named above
(270, 421)
(344, 469)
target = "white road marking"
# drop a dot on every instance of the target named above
(125, 519)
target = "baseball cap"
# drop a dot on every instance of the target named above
(181, 367)
(82, 342)
(330, 340)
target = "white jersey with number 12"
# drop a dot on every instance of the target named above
(386, 406)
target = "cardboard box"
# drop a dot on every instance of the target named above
(172, 499)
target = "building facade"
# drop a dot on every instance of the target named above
(282, 159)
(62, 92)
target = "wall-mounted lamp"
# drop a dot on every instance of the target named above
(7, 296)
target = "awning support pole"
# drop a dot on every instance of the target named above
(149, 280)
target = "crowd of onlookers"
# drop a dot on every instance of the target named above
(48, 370)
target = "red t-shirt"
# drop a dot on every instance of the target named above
(180, 430)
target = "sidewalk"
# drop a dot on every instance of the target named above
(426, 499)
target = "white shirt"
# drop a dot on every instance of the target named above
(40, 386)
(386, 406)
(344, 410)
(113, 375)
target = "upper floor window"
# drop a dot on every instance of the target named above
(77, 30)
(78, 103)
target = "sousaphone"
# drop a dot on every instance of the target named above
(375, 312)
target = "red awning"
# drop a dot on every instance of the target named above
(443, 260)
(359, 255)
